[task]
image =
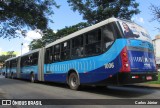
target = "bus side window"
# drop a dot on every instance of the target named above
(14, 63)
(35, 59)
(77, 47)
(65, 50)
(108, 36)
(48, 54)
(93, 42)
(24, 61)
(57, 53)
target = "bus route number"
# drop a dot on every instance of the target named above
(109, 65)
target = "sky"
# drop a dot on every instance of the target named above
(64, 16)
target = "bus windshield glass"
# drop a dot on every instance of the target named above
(134, 31)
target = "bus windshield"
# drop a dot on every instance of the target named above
(134, 31)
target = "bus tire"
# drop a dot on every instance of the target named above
(32, 78)
(73, 81)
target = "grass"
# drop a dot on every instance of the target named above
(155, 82)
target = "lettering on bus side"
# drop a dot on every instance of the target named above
(142, 59)
(109, 65)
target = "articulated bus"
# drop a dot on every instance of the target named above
(114, 51)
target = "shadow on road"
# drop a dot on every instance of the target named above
(120, 91)
(127, 91)
(131, 91)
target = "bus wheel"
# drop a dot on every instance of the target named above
(73, 81)
(32, 78)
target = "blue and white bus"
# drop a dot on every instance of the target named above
(113, 51)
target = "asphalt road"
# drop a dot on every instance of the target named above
(20, 89)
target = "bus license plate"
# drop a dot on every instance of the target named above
(149, 77)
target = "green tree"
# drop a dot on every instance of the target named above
(36, 43)
(156, 13)
(95, 11)
(49, 36)
(9, 54)
(68, 30)
(19, 14)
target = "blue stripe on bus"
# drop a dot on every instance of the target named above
(26, 70)
(29, 69)
(13, 69)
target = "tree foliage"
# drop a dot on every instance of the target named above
(50, 36)
(9, 54)
(18, 14)
(95, 11)
(156, 13)
(36, 43)
(68, 30)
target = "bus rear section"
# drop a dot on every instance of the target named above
(137, 57)
(137, 65)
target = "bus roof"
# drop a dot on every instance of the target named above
(33, 51)
(11, 58)
(77, 33)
